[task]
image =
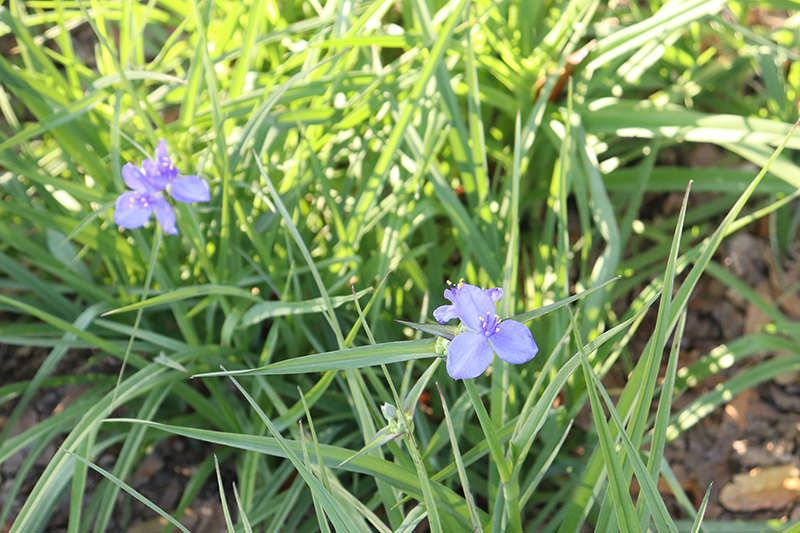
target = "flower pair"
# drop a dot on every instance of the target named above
(134, 208)
(470, 352)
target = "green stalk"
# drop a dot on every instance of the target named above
(511, 493)
(425, 484)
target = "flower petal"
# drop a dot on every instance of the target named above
(471, 304)
(155, 175)
(134, 177)
(468, 356)
(450, 294)
(189, 189)
(445, 313)
(162, 157)
(163, 162)
(513, 342)
(133, 209)
(495, 293)
(165, 215)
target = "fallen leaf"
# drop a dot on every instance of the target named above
(789, 377)
(737, 408)
(149, 467)
(573, 61)
(756, 318)
(762, 488)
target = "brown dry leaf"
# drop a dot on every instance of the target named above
(762, 488)
(705, 155)
(154, 525)
(573, 60)
(790, 300)
(207, 518)
(789, 377)
(149, 466)
(756, 318)
(737, 408)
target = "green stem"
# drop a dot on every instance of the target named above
(425, 484)
(489, 431)
(511, 493)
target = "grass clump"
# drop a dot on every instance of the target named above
(358, 155)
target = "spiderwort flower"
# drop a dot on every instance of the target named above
(470, 352)
(134, 208)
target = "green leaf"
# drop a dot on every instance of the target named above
(363, 356)
(398, 476)
(130, 490)
(264, 310)
(530, 315)
(185, 293)
(448, 332)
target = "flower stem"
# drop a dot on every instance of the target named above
(489, 431)
(425, 484)
(511, 493)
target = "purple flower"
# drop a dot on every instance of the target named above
(134, 208)
(470, 352)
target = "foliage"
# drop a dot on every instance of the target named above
(359, 154)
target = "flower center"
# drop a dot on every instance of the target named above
(455, 286)
(490, 324)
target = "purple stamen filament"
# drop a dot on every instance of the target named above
(489, 324)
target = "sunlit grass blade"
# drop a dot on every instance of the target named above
(645, 119)
(389, 151)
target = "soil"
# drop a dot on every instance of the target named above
(161, 476)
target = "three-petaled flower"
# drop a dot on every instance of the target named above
(470, 352)
(134, 208)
